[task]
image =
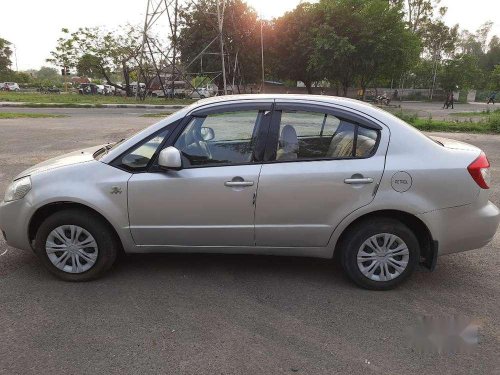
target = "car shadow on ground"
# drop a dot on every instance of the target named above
(237, 265)
(272, 271)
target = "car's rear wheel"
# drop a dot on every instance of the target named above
(379, 253)
(76, 245)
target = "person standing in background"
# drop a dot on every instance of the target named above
(491, 98)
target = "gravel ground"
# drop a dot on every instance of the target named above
(207, 314)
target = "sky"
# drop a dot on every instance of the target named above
(34, 25)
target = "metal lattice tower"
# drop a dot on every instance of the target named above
(159, 56)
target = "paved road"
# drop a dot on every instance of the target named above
(436, 111)
(202, 314)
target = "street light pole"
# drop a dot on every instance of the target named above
(220, 19)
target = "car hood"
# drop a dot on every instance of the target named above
(453, 144)
(75, 157)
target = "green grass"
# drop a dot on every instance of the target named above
(159, 114)
(72, 99)
(14, 115)
(487, 124)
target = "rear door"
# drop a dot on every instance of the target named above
(321, 164)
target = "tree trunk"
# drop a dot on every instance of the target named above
(345, 88)
(309, 87)
(126, 77)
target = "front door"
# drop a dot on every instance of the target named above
(211, 200)
(323, 167)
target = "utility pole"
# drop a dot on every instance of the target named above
(144, 41)
(437, 57)
(262, 53)
(15, 57)
(220, 17)
(174, 45)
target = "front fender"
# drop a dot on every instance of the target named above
(94, 184)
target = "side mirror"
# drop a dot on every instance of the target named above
(207, 134)
(170, 158)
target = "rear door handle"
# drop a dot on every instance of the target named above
(358, 181)
(238, 183)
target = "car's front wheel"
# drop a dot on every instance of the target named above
(379, 253)
(76, 245)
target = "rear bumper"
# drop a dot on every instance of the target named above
(463, 228)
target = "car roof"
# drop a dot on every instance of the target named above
(347, 103)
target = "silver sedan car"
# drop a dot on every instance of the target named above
(278, 175)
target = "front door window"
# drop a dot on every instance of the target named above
(219, 139)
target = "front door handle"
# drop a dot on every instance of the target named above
(238, 183)
(358, 181)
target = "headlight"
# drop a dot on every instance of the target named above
(18, 189)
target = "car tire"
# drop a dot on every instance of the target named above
(374, 266)
(93, 261)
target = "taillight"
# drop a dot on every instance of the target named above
(480, 171)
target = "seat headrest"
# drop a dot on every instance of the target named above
(364, 146)
(288, 139)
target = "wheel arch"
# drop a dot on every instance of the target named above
(428, 246)
(45, 211)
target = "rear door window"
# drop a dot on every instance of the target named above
(315, 135)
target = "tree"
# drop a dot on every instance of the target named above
(475, 43)
(439, 41)
(241, 39)
(334, 51)
(295, 45)
(5, 54)
(494, 81)
(460, 73)
(492, 56)
(100, 52)
(90, 66)
(362, 41)
(419, 12)
(386, 47)
(46, 73)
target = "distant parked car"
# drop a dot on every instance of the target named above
(9, 86)
(109, 90)
(88, 89)
(142, 87)
(200, 93)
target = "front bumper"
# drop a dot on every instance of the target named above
(463, 228)
(14, 218)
